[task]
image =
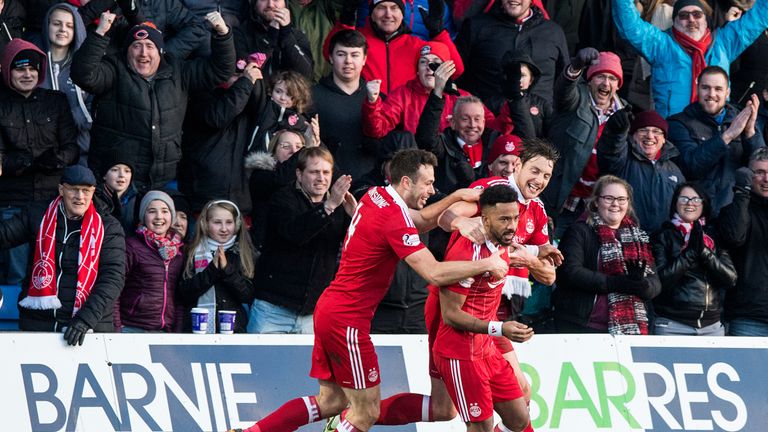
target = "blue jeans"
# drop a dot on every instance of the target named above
(747, 327)
(667, 327)
(266, 317)
(13, 262)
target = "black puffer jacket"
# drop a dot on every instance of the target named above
(690, 282)
(183, 32)
(143, 116)
(97, 310)
(286, 48)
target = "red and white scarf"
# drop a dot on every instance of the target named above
(696, 50)
(685, 228)
(43, 289)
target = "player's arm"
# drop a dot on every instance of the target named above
(541, 269)
(427, 218)
(448, 272)
(450, 306)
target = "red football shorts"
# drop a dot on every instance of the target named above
(475, 385)
(344, 355)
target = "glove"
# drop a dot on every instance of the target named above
(16, 162)
(620, 121)
(75, 334)
(744, 178)
(511, 85)
(636, 269)
(696, 239)
(584, 58)
(48, 161)
(627, 285)
(433, 19)
(348, 13)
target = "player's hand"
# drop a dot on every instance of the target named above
(551, 253)
(497, 266)
(520, 257)
(516, 332)
(471, 228)
(373, 89)
(468, 194)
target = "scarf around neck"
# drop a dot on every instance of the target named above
(204, 253)
(686, 227)
(696, 50)
(167, 246)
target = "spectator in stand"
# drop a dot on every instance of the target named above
(153, 263)
(65, 34)
(638, 152)
(117, 189)
(415, 16)
(714, 138)
(217, 130)
(337, 101)
(269, 31)
(607, 273)
(12, 15)
(37, 139)
(582, 111)
(403, 106)
(693, 269)
(678, 57)
(306, 224)
(142, 95)
(315, 18)
(183, 215)
(525, 112)
(183, 31)
(743, 230)
(77, 269)
(485, 39)
(219, 267)
(389, 40)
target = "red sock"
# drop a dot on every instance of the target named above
(289, 417)
(346, 426)
(404, 408)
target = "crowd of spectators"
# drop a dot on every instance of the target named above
(164, 155)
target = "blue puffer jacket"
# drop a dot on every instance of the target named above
(671, 87)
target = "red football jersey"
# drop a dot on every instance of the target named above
(483, 296)
(380, 235)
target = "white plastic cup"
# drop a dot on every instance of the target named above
(199, 320)
(227, 321)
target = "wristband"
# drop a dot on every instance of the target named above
(494, 328)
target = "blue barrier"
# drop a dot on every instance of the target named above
(9, 312)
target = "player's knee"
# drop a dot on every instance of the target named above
(331, 404)
(366, 415)
(443, 411)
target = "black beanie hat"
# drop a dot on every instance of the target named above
(679, 4)
(145, 30)
(375, 3)
(118, 156)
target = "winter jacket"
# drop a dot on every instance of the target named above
(341, 126)
(267, 177)
(11, 21)
(97, 309)
(484, 39)
(183, 32)
(453, 170)
(704, 156)
(653, 182)
(145, 116)
(315, 20)
(233, 290)
(579, 281)
(743, 227)
(691, 282)
(573, 132)
(216, 133)
(411, 18)
(148, 298)
(402, 109)
(300, 248)
(393, 60)
(57, 78)
(749, 74)
(528, 117)
(124, 208)
(671, 79)
(286, 48)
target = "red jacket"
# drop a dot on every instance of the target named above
(403, 107)
(394, 62)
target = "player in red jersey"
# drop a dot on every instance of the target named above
(384, 230)
(478, 379)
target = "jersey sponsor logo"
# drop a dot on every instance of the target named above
(475, 410)
(373, 375)
(411, 240)
(529, 227)
(377, 198)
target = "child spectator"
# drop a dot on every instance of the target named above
(117, 189)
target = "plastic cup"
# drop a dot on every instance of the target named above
(227, 321)
(199, 320)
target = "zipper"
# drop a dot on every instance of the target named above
(165, 288)
(386, 44)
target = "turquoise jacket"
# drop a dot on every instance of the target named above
(671, 87)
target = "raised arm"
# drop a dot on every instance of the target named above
(427, 218)
(643, 36)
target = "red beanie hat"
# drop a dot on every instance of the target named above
(607, 62)
(435, 48)
(648, 118)
(505, 145)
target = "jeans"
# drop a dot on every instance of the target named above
(266, 317)
(13, 262)
(747, 327)
(668, 327)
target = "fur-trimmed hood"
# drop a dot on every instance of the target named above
(261, 161)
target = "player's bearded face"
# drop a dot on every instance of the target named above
(501, 222)
(422, 187)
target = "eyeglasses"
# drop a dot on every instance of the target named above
(651, 131)
(685, 15)
(682, 199)
(610, 199)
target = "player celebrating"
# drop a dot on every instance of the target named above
(382, 232)
(479, 380)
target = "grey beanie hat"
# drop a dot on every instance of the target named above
(156, 195)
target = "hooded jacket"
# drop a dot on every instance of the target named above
(57, 78)
(11, 21)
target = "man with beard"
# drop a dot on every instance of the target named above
(582, 111)
(714, 138)
(678, 55)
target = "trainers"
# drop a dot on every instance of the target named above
(332, 423)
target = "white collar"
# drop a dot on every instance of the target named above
(513, 184)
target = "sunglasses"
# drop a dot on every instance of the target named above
(685, 15)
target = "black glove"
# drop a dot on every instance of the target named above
(48, 161)
(348, 13)
(744, 178)
(696, 239)
(620, 121)
(433, 19)
(627, 285)
(636, 269)
(511, 85)
(584, 58)
(75, 334)
(16, 162)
